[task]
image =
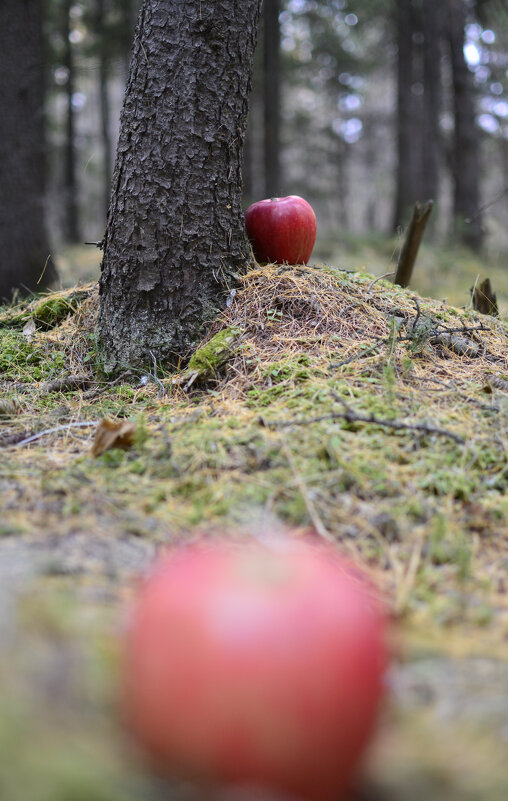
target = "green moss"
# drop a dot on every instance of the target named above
(21, 360)
(208, 359)
(47, 310)
(52, 310)
(295, 369)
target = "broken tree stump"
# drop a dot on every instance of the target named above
(414, 234)
(484, 298)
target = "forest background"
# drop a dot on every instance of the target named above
(362, 108)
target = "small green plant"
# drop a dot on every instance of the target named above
(274, 314)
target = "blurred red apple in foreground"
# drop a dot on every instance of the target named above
(255, 665)
(281, 229)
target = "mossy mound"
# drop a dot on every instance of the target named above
(46, 310)
(325, 398)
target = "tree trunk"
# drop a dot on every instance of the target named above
(247, 166)
(175, 240)
(408, 129)
(104, 103)
(129, 9)
(341, 160)
(71, 217)
(431, 144)
(370, 154)
(271, 96)
(466, 144)
(503, 144)
(23, 237)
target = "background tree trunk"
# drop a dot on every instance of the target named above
(271, 92)
(71, 214)
(431, 144)
(24, 244)
(175, 239)
(466, 145)
(130, 8)
(370, 154)
(247, 167)
(104, 100)
(408, 127)
(341, 162)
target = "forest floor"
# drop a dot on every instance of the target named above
(321, 398)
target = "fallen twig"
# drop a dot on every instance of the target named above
(94, 392)
(53, 431)
(418, 313)
(361, 353)
(433, 332)
(380, 278)
(353, 417)
(465, 329)
(485, 407)
(66, 384)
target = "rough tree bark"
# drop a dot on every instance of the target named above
(24, 244)
(271, 96)
(466, 144)
(175, 241)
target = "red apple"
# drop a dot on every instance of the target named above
(281, 229)
(255, 665)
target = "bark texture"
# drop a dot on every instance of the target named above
(466, 144)
(175, 239)
(24, 246)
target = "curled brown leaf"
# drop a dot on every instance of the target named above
(113, 434)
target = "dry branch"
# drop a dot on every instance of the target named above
(66, 384)
(40, 434)
(350, 416)
(414, 234)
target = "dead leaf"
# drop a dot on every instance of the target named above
(29, 329)
(113, 434)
